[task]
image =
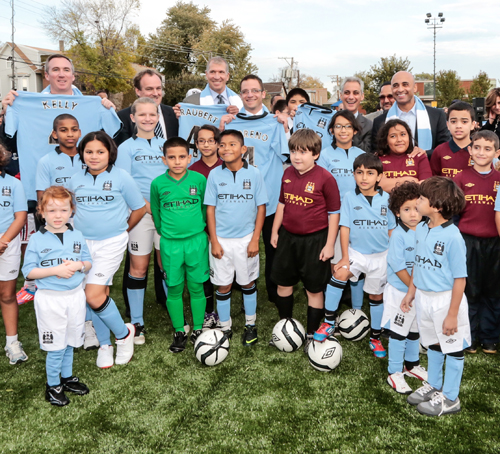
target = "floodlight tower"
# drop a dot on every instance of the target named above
(434, 23)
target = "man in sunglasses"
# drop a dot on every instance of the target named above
(386, 100)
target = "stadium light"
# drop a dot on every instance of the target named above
(434, 23)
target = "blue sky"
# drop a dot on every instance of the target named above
(327, 37)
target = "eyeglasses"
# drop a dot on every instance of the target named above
(383, 97)
(254, 91)
(203, 141)
(340, 127)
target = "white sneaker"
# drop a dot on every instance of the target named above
(90, 342)
(416, 372)
(15, 353)
(398, 383)
(125, 347)
(105, 357)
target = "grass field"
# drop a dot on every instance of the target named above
(258, 400)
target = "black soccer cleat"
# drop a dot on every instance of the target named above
(228, 333)
(75, 386)
(195, 334)
(250, 335)
(55, 395)
(179, 343)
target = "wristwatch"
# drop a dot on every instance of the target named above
(83, 268)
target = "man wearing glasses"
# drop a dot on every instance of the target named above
(386, 100)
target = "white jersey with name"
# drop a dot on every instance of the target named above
(12, 200)
(56, 169)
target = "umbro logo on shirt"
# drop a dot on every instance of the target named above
(358, 208)
(450, 341)
(60, 168)
(409, 249)
(336, 160)
(469, 185)
(45, 251)
(166, 193)
(386, 162)
(446, 157)
(288, 181)
(81, 186)
(99, 274)
(222, 184)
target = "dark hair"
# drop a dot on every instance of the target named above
(61, 118)
(461, 106)
(280, 106)
(175, 142)
(274, 96)
(349, 116)
(382, 143)
(305, 139)
(150, 72)
(408, 190)
(253, 77)
(5, 156)
(297, 91)
(102, 91)
(368, 161)
(211, 128)
(102, 137)
(443, 194)
(51, 57)
(384, 85)
(234, 133)
(490, 136)
(491, 99)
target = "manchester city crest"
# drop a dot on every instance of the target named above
(247, 184)
(107, 186)
(77, 247)
(193, 190)
(6, 191)
(439, 248)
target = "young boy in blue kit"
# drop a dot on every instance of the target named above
(437, 286)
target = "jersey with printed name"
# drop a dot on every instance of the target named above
(201, 167)
(267, 149)
(103, 202)
(235, 196)
(440, 257)
(142, 158)
(56, 169)
(339, 163)
(317, 118)
(308, 199)
(480, 190)
(448, 159)
(46, 250)
(369, 220)
(193, 117)
(12, 200)
(177, 205)
(401, 165)
(401, 255)
(32, 115)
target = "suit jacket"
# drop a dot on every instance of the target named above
(439, 130)
(171, 124)
(363, 139)
(193, 99)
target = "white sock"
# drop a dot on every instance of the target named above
(11, 339)
(250, 319)
(30, 283)
(226, 325)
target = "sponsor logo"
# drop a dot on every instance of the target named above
(149, 158)
(298, 200)
(47, 337)
(336, 160)
(399, 319)
(94, 199)
(235, 197)
(81, 186)
(62, 180)
(309, 187)
(45, 251)
(401, 173)
(450, 172)
(369, 223)
(247, 184)
(439, 248)
(107, 186)
(77, 247)
(424, 261)
(55, 261)
(6, 191)
(180, 203)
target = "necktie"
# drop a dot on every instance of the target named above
(221, 99)
(159, 130)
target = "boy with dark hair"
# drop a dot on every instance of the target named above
(450, 158)
(477, 225)
(236, 208)
(179, 217)
(437, 286)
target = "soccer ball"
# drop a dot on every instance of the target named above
(325, 356)
(354, 324)
(211, 347)
(288, 335)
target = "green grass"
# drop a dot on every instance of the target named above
(257, 400)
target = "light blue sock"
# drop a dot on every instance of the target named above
(412, 352)
(453, 376)
(67, 363)
(333, 294)
(376, 312)
(101, 330)
(136, 288)
(357, 294)
(165, 288)
(396, 355)
(250, 303)
(109, 314)
(88, 314)
(223, 305)
(53, 365)
(435, 368)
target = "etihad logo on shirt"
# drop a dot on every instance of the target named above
(427, 263)
(309, 187)
(400, 173)
(62, 180)
(6, 191)
(55, 104)
(235, 197)
(56, 261)
(303, 126)
(148, 159)
(94, 199)
(342, 172)
(107, 185)
(370, 223)
(207, 116)
(186, 203)
(450, 172)
(297, 199)
(480, 199)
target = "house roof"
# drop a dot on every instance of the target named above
(31, 64)
(273, 88)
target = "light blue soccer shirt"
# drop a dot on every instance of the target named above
(401, 255)
(235, 196)
(56, 169)
(142, 158)
(441, 257)
(369, 222)
(103, 202)
(32, 115)
(12, 200)
(46, 250)
(317, 118)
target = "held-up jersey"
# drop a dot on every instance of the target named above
(267, 149)
(56, 169)
(401, 255)
(317, 118)
(142, 158)
(12, 200)
(31, 116)
(103, 202)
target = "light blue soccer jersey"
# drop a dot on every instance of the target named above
(103, 202)
(31, 116)
(497, 203)
(369, 222)
(267, 149)
(317, 118)
(12, 200)
(401, 255)
(440, 258)
(235, 197)
(142, 158)
(339, 163)
(46, 250)
(56, 169)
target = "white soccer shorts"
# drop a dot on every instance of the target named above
(375, 268)
(393, 317)
(337, 253)
(28, 229)
(142, 237)
(10, 260)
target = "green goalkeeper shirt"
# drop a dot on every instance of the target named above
(177, 205)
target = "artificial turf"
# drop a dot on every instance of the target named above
(257, 400)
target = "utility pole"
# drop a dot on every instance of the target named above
(434, 23)
(336, 84)
(12, 63)
(289, 74)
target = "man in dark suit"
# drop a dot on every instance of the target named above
(403, 89)
(148, 83)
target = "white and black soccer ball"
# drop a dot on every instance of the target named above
(354, 324)
(211, 347)
(288, 335)
(325, 356)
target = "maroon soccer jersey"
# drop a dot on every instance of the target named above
(201, 167)
(478, 217)
(448, 159)
(401, 165)
(308, 198)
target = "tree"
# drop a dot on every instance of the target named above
(423, 76)
(100, 35)
(448, 87)
(480, 86)
(307, 81)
